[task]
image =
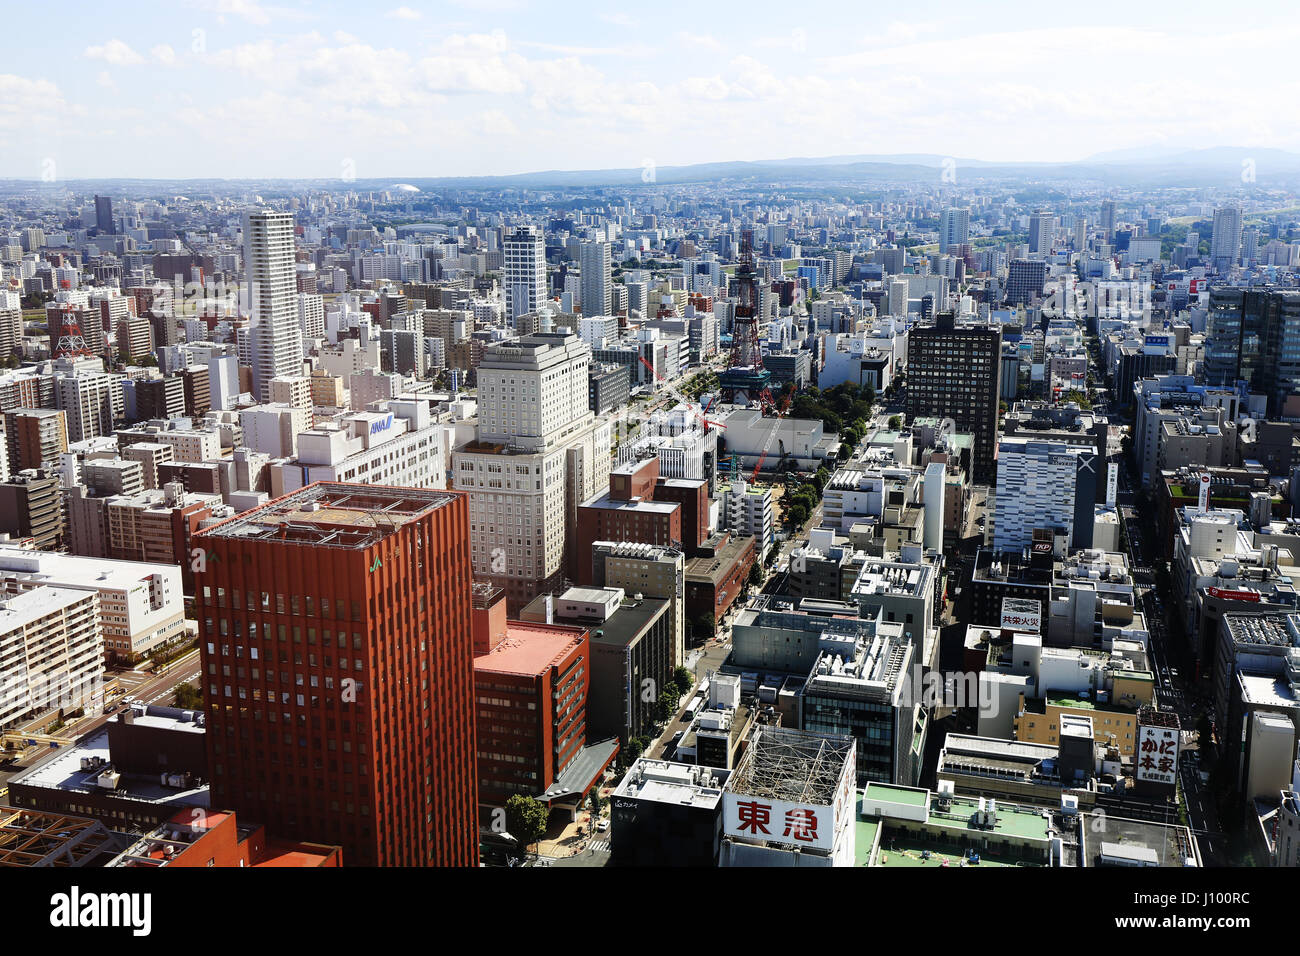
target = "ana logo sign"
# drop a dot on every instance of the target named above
(382, 425)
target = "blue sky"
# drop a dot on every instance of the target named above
(316, 88)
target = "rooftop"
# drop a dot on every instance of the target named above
(794, 766)
(663, 781)
(529, 649)
(332, 514)
(62, 770)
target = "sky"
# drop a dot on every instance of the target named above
(322, 89)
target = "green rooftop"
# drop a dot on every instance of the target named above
(910, 796)
(902, 849)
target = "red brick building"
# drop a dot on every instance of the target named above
(627, 512)
(531, 682)
(716, 579)
(645, 508)
(693, 496)
(339, 675)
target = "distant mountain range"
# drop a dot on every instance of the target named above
(1151, 166)
(1218, 166)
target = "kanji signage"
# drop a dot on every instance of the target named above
(779, 822)
(1157, 755)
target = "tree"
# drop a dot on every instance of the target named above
(755, 574)
(596, 801)
(895, 422)
(797, 513)
(188, 697)
(684, 680)
(666, 704)
(705, 625)
(526, 819)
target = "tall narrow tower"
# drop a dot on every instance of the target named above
(525, 272)
(745, 380)
(272, 289)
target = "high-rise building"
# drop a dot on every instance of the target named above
(1044, 485)
(954, 371)
(270, 271)
(596, 278)
(59, 628)
(36, 437)
(104, 215)
(1041, 227)
(311, 315)
(1026, 280)
(32, 507)
(92, 399)
(339, 660)
(1107, 223)
(539, 454)
(1225, 241)
(1253, 336)
(525, 271)
(954, 229)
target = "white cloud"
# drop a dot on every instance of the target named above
(497, 123)
(25, 101)
(473, 63)
(115, 52)
(698, 41)
(105, 79)
(403, 13)
(164, 54)
(249, 10)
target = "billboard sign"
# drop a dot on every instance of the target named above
(778, 821)
(1157, 755)
(1019, 614)
(1224, 594)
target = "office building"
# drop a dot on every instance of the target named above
(1026, 280)
(597, 284)
(954, 229)
(335, 627)
(524, 273)
(1225, 240)
(1253, 336)
(532, 683)
(954, 371)
(1044, 486)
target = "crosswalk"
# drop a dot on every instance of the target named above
(599, 846)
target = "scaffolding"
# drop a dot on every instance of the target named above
(33, 838)
(793, 766)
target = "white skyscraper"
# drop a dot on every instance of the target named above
(272, 289)
(954, 229)
(539, 453)
(311, 315)
(1225, 241)
(1036, 489)
(596, 280)
(525, 271)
